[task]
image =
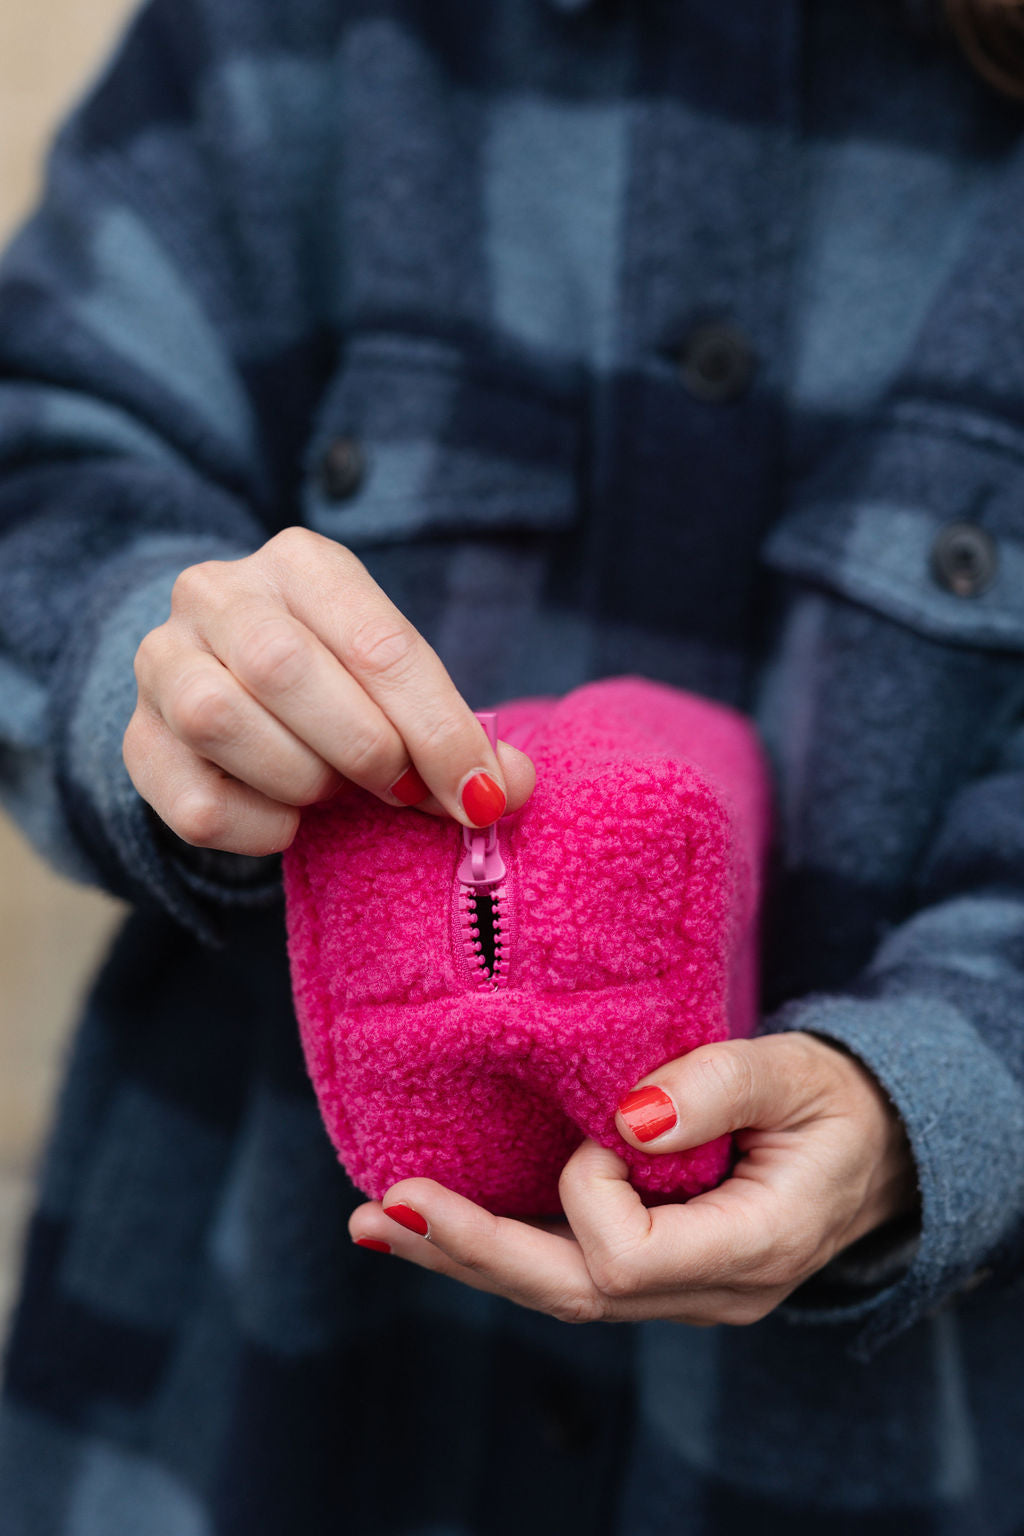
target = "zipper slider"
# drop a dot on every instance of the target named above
(482, 863)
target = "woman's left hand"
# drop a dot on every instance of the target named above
(823, 1160)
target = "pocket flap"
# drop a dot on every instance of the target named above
(438, 442)
(878, 524)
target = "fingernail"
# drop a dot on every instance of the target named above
(483, 800)
(410, 788)
(408, 1218)
(374, 1243)
(649, 1112)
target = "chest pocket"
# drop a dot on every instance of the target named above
(416, 439)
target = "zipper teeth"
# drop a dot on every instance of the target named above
(484, 979)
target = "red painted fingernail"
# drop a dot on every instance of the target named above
(410, 788)
(374, 1243)
(483, 800)
(408, 1218)
(648, 1112)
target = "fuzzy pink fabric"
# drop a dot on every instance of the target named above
(634, 872)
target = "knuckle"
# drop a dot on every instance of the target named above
(272, 656)
(148, 655)
(292, 549)
(772, 1261)
(317, 790)
(381, 647)
(131, 746)
(201, 712)
(196, 585)
(761, 1244)
(731, 1069)
(442, 734)
(779, 1248)
(297, 553)
(368, 756)
(787, 1263)
(615, 1277)
(200, 817)
(765, 1259)
(294, 539)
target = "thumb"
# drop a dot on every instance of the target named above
(520, 775)
(764, 1084)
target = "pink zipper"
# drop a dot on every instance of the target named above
(482, 899)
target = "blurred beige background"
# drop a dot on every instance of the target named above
(51, 932)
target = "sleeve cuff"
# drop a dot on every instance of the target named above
(135, 855)
(964, 1115)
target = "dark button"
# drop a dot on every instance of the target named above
(718, 363)
(344, 466)
(964, 559)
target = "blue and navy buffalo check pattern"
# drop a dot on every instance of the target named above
(657, 336)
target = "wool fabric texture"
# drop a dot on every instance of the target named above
(630, 926)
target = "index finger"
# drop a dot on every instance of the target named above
(329, 590)
(528, 1263)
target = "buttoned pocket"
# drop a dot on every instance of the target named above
(417, 438)
(921, 520)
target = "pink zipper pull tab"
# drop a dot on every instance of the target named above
(482, 863)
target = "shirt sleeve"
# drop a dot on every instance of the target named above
(938, 1019)
(137, 437)
(903, 799)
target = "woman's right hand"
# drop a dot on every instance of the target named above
(278, 676)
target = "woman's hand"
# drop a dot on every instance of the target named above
(279, 675)
(824, 1160)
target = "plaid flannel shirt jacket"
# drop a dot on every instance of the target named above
(660, 336)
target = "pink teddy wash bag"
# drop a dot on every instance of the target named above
(473, 1004)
